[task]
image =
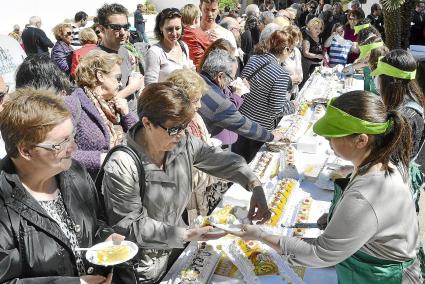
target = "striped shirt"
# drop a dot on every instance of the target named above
(338, 52)
(76, 36)
(269, 90)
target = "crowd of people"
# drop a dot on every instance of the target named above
(108, 135)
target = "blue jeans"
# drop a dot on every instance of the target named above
(141, 31)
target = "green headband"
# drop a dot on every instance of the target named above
(358, 28)
(367, 48)
(387, 69)
(337, 123)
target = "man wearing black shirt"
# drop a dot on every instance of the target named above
(376, 18)
(34, 39)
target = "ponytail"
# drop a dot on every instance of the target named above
(393, 146)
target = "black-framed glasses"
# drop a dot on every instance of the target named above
(97, 32)
(173, 131)
(171, 13)
(118, 27)
(59, 146)
(229, 76)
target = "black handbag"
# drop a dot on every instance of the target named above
(125, 272)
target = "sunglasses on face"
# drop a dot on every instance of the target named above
(173, 131)
(97, 32)
(117, 27)
(68, 33)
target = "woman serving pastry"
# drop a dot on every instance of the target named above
(372, 235)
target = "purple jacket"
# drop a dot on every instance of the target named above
(226, 136)
(62, 55)
(92, 136)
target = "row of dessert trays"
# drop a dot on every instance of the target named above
(254, 259)
(198, 266)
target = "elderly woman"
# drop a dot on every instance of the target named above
(170, 53)
(88, 40)
(313, 49)
(269, 82)
(101, 117)
(62, 50)
(195, 87)
(168, 153)
(48, 203)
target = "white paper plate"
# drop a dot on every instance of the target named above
(91, 255)
(216, 142)
(228, 227)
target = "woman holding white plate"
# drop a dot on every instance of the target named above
(48, 203)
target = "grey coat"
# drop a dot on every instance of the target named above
(155, 223)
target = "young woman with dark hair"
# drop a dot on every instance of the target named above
(373, 233)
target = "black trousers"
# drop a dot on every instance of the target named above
(246, 147)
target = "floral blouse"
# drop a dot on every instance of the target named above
(56, 210)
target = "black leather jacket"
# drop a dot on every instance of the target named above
(33, 248)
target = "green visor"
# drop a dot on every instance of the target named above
(358, 28)
(389, 70)
(337, 123)
(367, 48)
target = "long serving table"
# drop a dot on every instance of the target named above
(308, 165)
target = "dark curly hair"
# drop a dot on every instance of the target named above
(166, 14)
(107, 10)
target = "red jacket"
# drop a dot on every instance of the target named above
(78, 54)
(197, 40)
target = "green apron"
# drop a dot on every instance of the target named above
(361, 267)
(369, 84)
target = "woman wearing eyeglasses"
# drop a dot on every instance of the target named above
(170, 53)
(168, 154)
(62, 50)
(269, 82)
(88, 40)
(100, 116)
(48, 203)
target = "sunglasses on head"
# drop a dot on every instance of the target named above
(171, 12)
(173, 131)
(118, 27)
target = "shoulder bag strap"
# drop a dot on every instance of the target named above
(258, 70)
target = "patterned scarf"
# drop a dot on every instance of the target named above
(109, 115)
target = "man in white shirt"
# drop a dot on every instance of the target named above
(210, 10)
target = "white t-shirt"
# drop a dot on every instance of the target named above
(11, 56)
(227, 35)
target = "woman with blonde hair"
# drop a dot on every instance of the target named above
(195, 87)
(62, 50)
(313, 49)
(88, 40)
(196, 39)
(100, 116)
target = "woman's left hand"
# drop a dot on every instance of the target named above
(258, 209)
(121, 105)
